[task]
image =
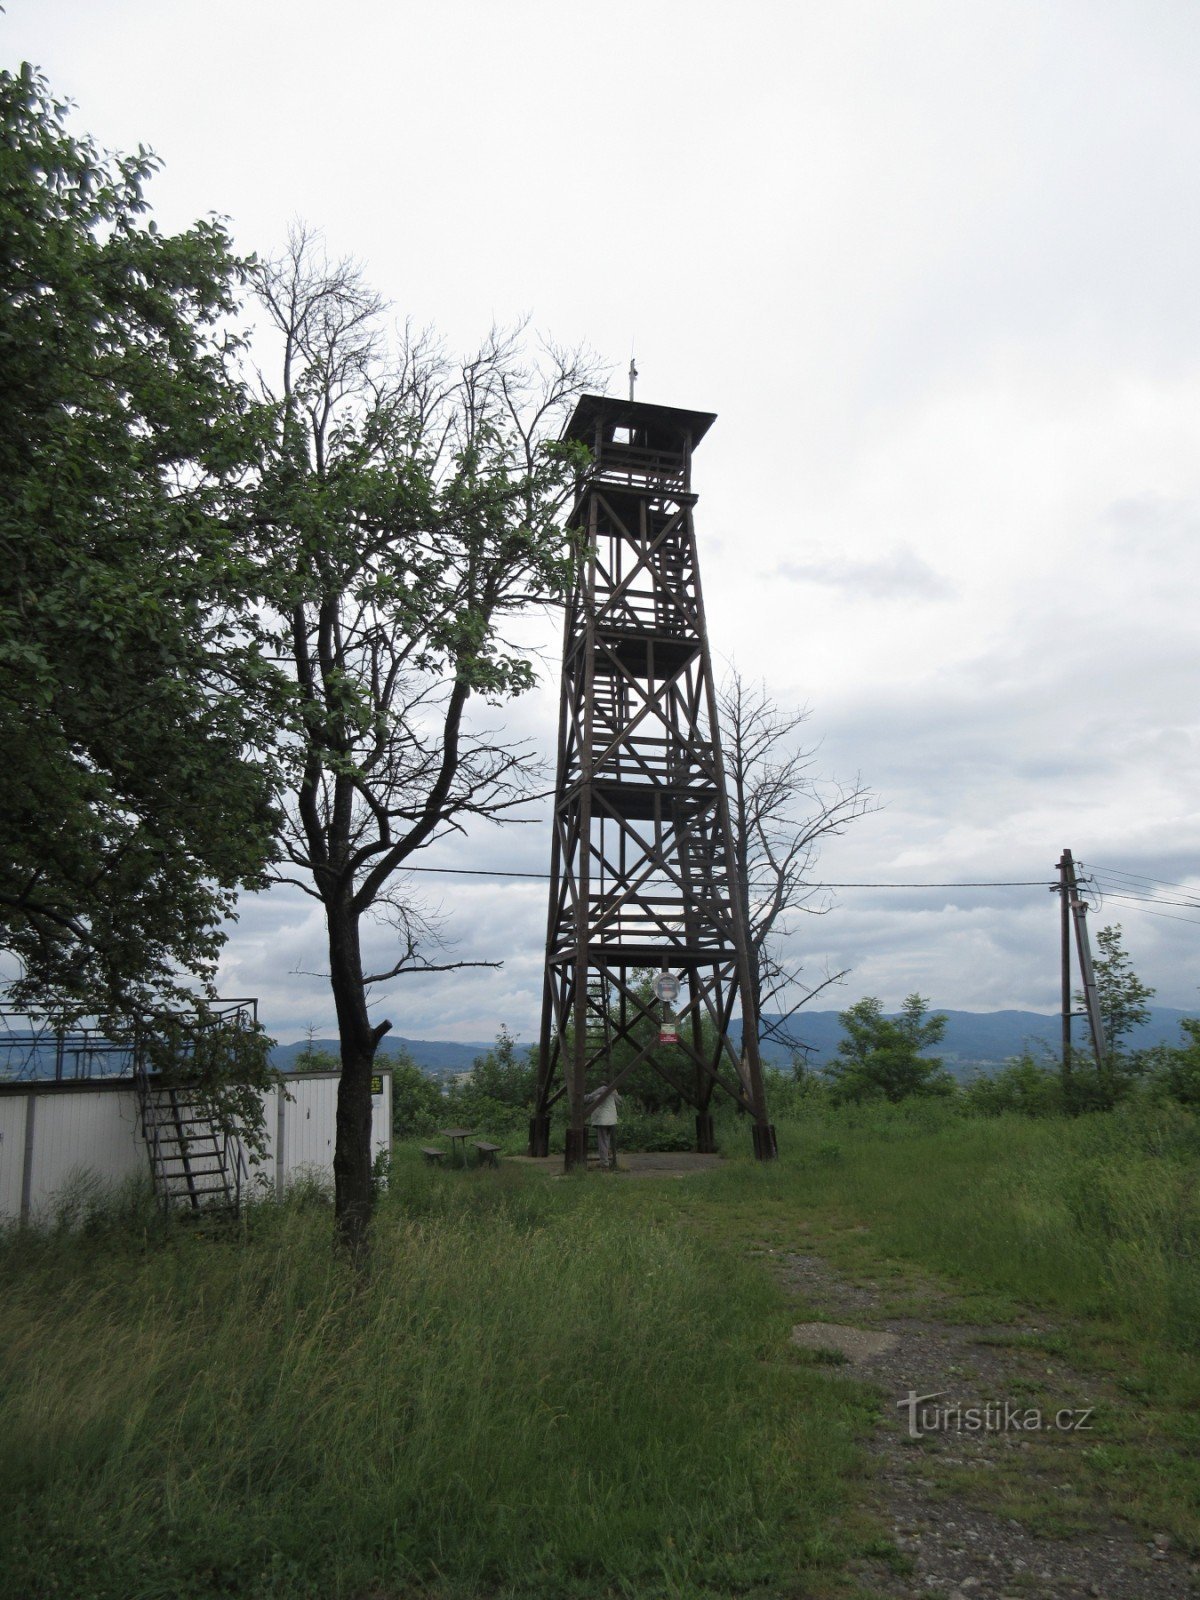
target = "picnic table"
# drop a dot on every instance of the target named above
(459, 1137)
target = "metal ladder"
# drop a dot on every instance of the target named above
(192, 1159)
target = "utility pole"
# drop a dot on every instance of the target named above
(1065, 872)
(1074, 911)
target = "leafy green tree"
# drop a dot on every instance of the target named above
(498, 1091)
(881, 1057)
(409, 509)
(129, 696)
(1025, 1086)
(1175, 1069)
(504, 1073)
(1123, 996)
(1123, 1006)
(418, 1105)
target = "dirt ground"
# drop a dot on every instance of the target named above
(934, 1490)
(944, 1494)
(636, 1163)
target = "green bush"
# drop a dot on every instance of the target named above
(418, 1104)
(795, 1092)
(1026, 1087)
(496, 1096)
(880, 1058)
(655, 1130)
(1173, 1071)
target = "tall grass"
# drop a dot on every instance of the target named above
(526, 1395)
(1099, 1214)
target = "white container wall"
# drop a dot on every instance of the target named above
(55, 1136)
(13, 1112)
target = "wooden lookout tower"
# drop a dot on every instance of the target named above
(641, 862)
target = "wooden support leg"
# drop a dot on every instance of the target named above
(576, 1150)
(765, 1147)
(539, 1135)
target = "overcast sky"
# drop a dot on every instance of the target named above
(936, 267)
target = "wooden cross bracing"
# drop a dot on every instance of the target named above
(642, 853)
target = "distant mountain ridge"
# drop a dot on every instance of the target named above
(438, 1057)
(981, 1039)
(975, 1040)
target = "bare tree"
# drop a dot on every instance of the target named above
(410, 505)
(780, 812)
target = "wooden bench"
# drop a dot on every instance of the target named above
(431, 1155)
(487, 1152)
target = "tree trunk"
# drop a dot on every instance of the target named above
(359, 1041)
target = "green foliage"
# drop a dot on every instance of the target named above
(131, 685)
(311, 1059)
(880, 1057)
(639, 1129)
(496, 1096)
(503, 1074)
(225, 1063)
(1123, 1006)
(1174, 1070)
(418, 1105)
(795, 1092)
(1123, 996)
(1025, 1086)
(530, 1394)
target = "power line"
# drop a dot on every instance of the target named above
(991, 883)
(994, 883)
(1146, 911)
(1140, 877)
(1118, 892)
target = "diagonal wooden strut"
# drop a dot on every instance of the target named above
(642, 851)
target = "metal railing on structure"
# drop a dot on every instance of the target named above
(40, 1047)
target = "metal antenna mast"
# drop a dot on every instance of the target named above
(642, 859)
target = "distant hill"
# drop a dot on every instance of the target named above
(980, 1040)
(438, 1057)
(976, 1041)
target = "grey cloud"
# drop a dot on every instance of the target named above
(901, 574)
(1153, 524)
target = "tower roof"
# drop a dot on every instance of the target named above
(658, 427)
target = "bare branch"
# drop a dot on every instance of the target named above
(781, 813)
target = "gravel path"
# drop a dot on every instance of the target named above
(930, 1487)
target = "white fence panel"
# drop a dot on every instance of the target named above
(79, 1134)
(13, 1109)
(95, 1132)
